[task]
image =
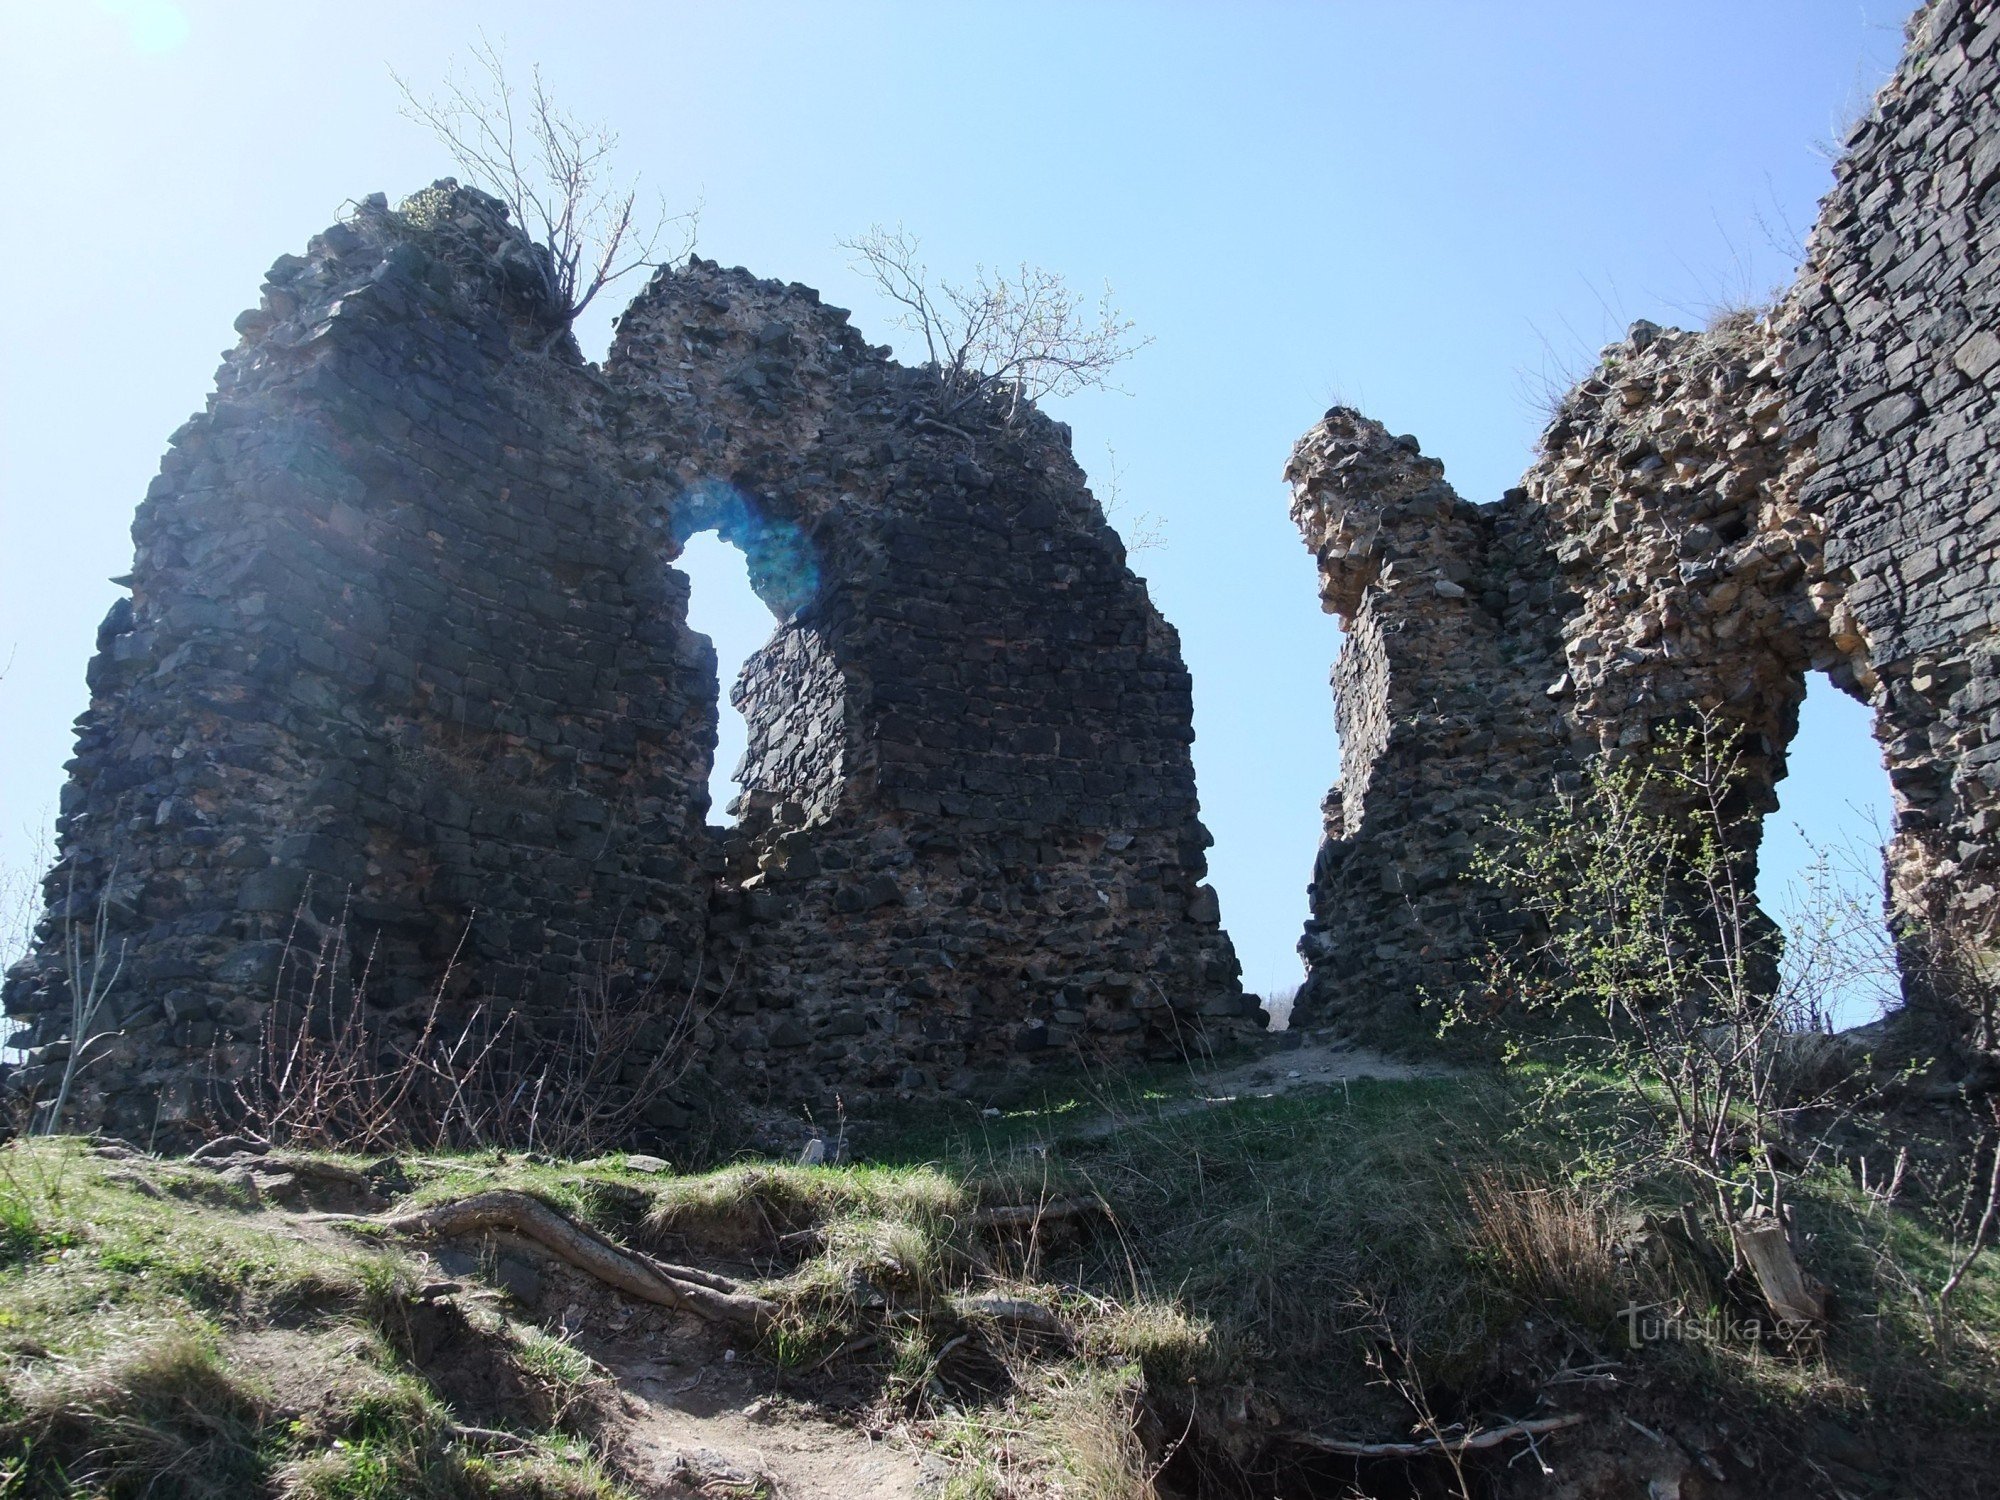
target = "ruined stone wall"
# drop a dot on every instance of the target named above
(1710, 516)
(1444, 712)
(406, 664)
(1892, 350)
(396, 655)
(968, 828)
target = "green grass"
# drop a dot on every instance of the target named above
(1346, 1255)
(749, 1201)
(123, 1299)
(1346, 1250)
(397, 1445)
(1296, 1234)
(20, 1231)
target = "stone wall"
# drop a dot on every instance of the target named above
(1444, 709)
(1892, 347)
(1710, 516)
(406, 664)
(968, 830)
(396, 652)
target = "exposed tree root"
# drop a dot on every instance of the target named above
(1492, 1437)
(1018, 1312)
(705, 1294)
(715, 1298)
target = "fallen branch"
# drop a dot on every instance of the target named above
(228, 1145)
(998, 1216)
(1492, 1437)
(319, 1171)
(276, 1164)
(491, 1439)
(715, 1298)
(1018, 1311)
(1020, 1215)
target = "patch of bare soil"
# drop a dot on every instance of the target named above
(692, 1416)
(303, 1371)
(707, 1431)
(1317, 1060)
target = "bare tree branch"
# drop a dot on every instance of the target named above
(1026, 334)
(555, 174)
(1143, 531)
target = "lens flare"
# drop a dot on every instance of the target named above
(783, 568)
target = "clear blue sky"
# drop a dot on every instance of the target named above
(1418, 208)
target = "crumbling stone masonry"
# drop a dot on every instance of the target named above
(1891, 342)
(1711, 516)
(968, 824)
(406, 656)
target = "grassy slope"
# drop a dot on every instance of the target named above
(159, 1335)
(1356, 1263)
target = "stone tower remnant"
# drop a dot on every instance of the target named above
(1710, 516)
(406, 661)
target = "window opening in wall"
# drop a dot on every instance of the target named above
(1819, 870)
(723, 607)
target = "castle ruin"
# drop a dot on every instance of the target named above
(406, 658)
(1710, 517)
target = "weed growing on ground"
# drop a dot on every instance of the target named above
(1404, 1255)
(130, 1304)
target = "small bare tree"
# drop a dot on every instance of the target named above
(622, 1051)
(1653, 965)
(1027, 334)
(1143, 531)
(92, 970)
(553, 171)
(576, 1084)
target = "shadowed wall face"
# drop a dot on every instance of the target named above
(406, 664)
(1893, 376)
(968, 833)
(399, 658)
(1712, 516)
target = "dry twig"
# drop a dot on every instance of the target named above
(1491, 1437)
(550, 169)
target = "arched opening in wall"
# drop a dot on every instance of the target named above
(1819, 869)
(782, 714)
(724, 607)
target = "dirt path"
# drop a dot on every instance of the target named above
(691, 1418)
(677, 1453)
(695, 1423)
(1318, 1061)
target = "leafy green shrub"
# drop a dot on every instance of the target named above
(1666, 1034)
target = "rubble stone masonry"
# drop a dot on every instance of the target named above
(406, 665)
(1710, 516)
(406, 662)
